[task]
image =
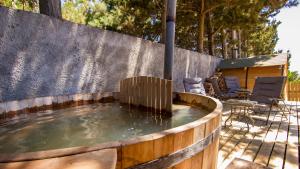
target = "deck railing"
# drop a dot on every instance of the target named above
(150, 92)
(294, 91)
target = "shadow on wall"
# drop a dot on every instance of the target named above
(43, 56)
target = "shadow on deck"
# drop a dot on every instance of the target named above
(275, 145)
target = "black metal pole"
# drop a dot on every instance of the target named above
(170, 39)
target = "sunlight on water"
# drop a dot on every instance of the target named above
(87, 125)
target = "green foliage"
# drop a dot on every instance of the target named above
(254, 20)
(75, 11)
(187, 24)
(27, 5)
(293, 76)
(93, 13)
(263, 39)
(134, 17)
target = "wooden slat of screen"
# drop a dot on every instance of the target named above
(158, 95)
(294, 91)
(163, 94)
(149, 92)
(169, 96)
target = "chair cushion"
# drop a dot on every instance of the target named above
(267, 88)
(232, 83)
(194, 85)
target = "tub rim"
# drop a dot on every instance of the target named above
(55, 153)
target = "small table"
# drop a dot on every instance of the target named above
(245, 106)
(243, 93)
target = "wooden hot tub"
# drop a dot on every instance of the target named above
(193, 145)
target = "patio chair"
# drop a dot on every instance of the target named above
(218, 92)
(209, 90)
(232, 83)
(221, 82)
(267, 93)
(194, 85)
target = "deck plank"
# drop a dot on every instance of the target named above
(265, 150)
(227, 132)
(226, 137)
(237, 151)
(291, 160)
(275, 145)
(277, 156)
(298, 117)
(257, 141)
(229, 146)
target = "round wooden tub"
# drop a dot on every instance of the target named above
(193, 145)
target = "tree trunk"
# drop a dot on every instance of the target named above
(211, 44)
(246, 48)
(163, 21)
(224, 44)
(201, 27)
(234, 46)
(50, 8)
(239, 37)
(170, 39)
(201, 34)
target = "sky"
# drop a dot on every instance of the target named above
(289, 34)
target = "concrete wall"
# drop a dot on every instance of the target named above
(43, 56)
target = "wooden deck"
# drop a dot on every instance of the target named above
(275, 145)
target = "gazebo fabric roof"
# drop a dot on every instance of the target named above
(257, 61)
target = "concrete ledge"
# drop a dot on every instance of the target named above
(13, 108)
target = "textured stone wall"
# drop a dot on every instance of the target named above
(43, 56)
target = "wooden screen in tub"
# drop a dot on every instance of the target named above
(150, 92)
